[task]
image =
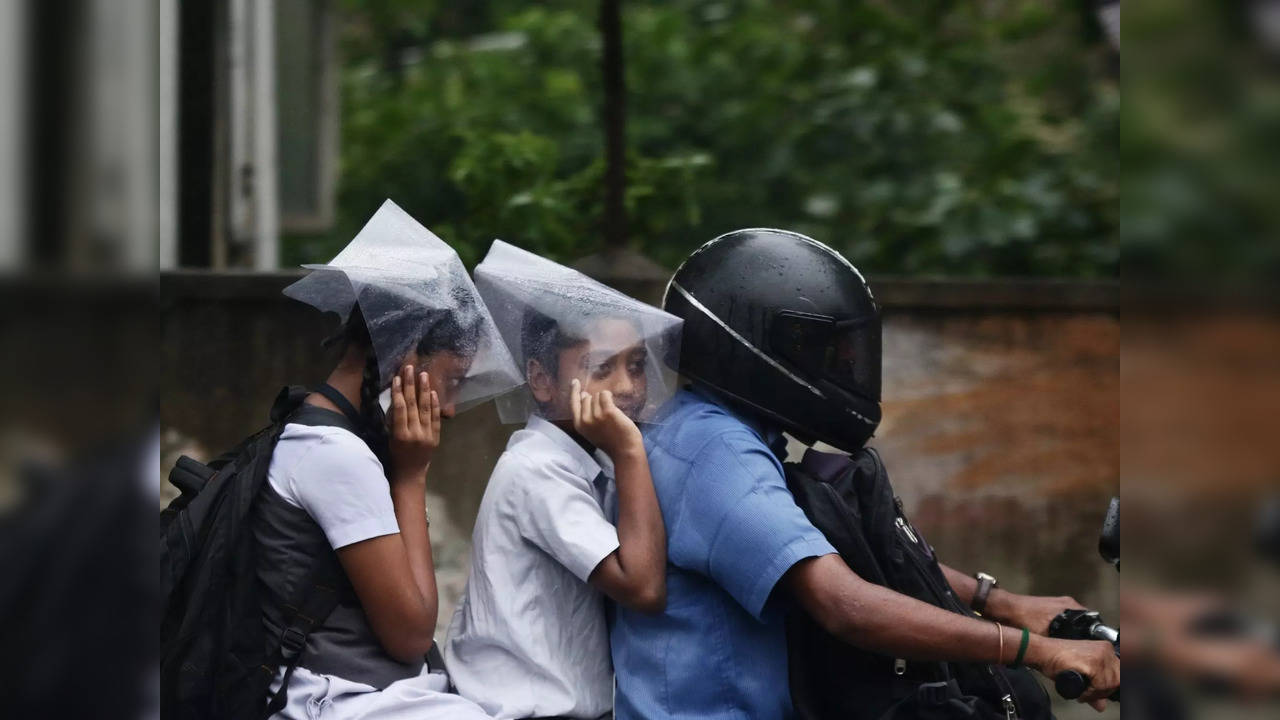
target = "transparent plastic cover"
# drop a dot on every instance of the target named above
(561, 325)
(415, 296)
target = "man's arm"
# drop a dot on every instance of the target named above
(1032, 612)
(881, 620)
(964, 586)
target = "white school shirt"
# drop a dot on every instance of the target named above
(529, 638)
(334, 476)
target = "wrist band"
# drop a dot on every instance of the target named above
(1022, 648)
(1000, 653)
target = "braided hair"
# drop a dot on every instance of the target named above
(373, 421)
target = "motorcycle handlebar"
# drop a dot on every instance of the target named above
(1080, 625)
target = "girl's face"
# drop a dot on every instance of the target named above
(447, 371)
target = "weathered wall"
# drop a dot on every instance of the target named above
(1000, 425)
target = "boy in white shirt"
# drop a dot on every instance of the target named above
(529, 637)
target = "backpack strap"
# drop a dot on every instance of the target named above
(319, 593)
(331, 394)
(827, 467)
(318, 416)
(316, 597)
(826, 488)
(289, 407)
(287, 400)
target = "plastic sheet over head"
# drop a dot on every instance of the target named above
(561, 325)
(417, 300)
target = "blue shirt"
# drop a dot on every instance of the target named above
(733, 529)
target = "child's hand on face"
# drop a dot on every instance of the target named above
(414, 424)
(597, 419)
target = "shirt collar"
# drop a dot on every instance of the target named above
(590, 466)
(606, 463)
(769, 433)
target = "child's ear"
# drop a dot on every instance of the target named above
(541, 384)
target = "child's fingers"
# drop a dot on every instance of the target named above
(575, 403)
(408, 385)
(435, 415)
(596, 413)
(606, 402)
(424, 401)
(588, 414)
(424, 395)
(398, 409)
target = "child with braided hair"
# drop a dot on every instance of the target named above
(348, 495)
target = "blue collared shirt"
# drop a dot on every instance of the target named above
(718, 650)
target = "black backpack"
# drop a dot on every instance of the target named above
(850, 500)
(216, 659)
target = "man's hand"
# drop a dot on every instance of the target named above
(597, 419)
(881, 620)
(414, 424)
(1032, 612)
(1095, 659)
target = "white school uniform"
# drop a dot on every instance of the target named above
(529, 637)
(336, 478)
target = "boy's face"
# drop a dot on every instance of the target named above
(612, 358)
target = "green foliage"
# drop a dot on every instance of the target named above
(932, 137)
(1200, 158)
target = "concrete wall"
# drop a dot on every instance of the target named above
(1000, 413)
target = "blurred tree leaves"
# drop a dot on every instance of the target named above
(929, 137)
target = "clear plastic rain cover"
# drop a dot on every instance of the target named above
(561, 325)
(415, 296)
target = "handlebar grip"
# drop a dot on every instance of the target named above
(1070, 684)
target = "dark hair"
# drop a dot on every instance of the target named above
(456, 331)
(542, 337)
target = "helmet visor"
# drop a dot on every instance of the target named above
(843, 352)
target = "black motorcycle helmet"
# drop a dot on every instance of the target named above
(784, 327)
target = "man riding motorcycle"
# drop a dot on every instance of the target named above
(781, 333)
